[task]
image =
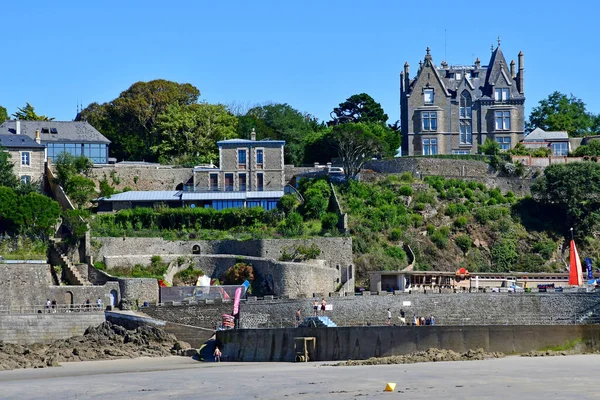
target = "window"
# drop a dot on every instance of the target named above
(429, 121)
(229, 182)
(26, 158)
(461, 152)
(260, 182)
(430, 147)
(428, 96)
(25, 179)
(468, 75)
(465, 105)
(53, 130)
(502, 120)
(259, 157)
(242, 182)
(214, 182)
(501, 94)
(45, 130)
(475, 74)
(458, 76)
(560, 148)
(466, 134)
(465, 114)
(241, 158)
(504, 142)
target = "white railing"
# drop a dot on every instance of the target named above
(52, 309)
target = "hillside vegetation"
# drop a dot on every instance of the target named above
(448, 224)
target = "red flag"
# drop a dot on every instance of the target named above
(575, 273)
(236, 300)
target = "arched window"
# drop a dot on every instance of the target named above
(466, 126)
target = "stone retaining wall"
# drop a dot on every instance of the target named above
(45, 328)
(359, 343)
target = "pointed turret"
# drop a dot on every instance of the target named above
(521, 70)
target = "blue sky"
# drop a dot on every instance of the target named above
(310, 54)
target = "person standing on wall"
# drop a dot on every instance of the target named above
(323, 306)
(402, 317)
(316, 308)
(298, 317)
(389, 318)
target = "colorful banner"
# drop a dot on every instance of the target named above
(575, 273)
(590, 270)
(236, 300)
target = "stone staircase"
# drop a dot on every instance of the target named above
(318, 322)
(73, 274)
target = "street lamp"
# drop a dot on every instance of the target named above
(571, 233)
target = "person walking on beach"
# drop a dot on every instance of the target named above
(323, 306)
(217, 354)
(316, 308)
(402, 317)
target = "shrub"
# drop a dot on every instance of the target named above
(80, 189)
(405, 191)
(406, 177)
(395, 234)
(455, 209)
(461, 222)
(292, 225)
(440, 237)
(308, 252)
(430, 229)
(238, 273)
(464, 242)
(544, 248)
(485, 214)
(419, 206)
(504, 255)
(287, 203)
(396, 252)
(188, 276)
(329, 221)
(416, 220)
(106, 190)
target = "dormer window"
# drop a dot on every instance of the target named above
(458, 76)
(45, 130)
(428, 96)
(53, 130)
(501, 94)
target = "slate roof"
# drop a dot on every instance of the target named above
(66, 131)
(150, 195)
(254, 142)
(540, 135)
(20, 141)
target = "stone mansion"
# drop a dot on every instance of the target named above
(454, 109)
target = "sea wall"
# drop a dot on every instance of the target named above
(46, 328)
(359, 343)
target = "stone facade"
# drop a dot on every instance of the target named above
(27, 156)
(143, 177)
(46, 328)
(139, 290)
(244, 165)
(454, 109)
(294, 279)
(26, 285)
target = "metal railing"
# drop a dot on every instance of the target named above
(52, 309)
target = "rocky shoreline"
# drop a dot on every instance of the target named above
(104, 342)
(430, 355)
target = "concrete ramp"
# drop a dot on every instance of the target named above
(194, 335)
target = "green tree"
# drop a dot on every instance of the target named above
(28, 113)
(573, 190)
(80, 189)
(356, 143)
(359, 108)
(188, 133)
(37, 214)
(280, 122)
(592, 149)
(559, 112)
(68, 165)
(490, 147)
(128, 121)
(3, 114)
(7, 174)
(8, 209)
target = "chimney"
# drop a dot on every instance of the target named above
(521, 70)
(512, 69)
(18, 127)
(253, 135)
(477, 63)
(406, 81)
(37, 136)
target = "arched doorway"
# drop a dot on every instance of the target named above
(69, 298)
(195, 249)
(114, 298)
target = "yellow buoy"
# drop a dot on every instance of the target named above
(389, 387)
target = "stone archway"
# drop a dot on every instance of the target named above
(196, 249)
(69, 298)
(114, 298)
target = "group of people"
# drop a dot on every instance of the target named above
(416, 321)
(51, 306)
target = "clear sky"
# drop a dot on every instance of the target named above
(309, 54)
